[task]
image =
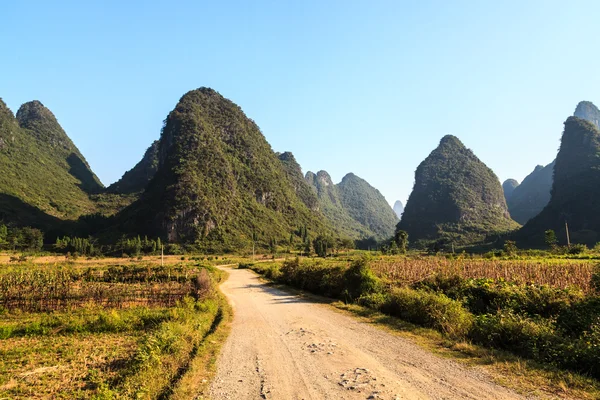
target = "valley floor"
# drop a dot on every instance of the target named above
(283, 346)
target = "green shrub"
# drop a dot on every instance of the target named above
(579, 317)
(360, 280)
(429, 309)
(578, 248)
(520, 334)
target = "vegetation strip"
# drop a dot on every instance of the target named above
(107, 352)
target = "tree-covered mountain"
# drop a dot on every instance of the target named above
(306, 192)
(367, 205)
(456, 198)
(218, 181)
(575, 190)
(330, 204)
(353, 207)
(136, 179)
(532, 195)
(40, 168)
(398, 208)
(508, 187)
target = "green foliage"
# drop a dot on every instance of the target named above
(401, 241)
(367, 205)
(510, 247)
(354, 208)
(292, 169)
(324, 245)
(575, 189)
(429, 309)
(41, 170)
(218, 181)
(456, 199)
(360, 280)
(25, 239)
(136, 179)
(550, 238)
(331, 206)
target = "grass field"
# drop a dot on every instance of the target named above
(109, 328)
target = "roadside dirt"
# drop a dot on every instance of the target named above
(282, 346)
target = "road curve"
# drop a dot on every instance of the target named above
(283, 346)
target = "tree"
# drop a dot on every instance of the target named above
(550, 238)
(307, 247)
(32, 239)
(401, 241)
(323, 245)
(510, 247)
(3, 234)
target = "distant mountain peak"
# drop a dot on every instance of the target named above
(398, 208)
(588, 111)
(32, 111)
(451, 140)
(324, 178)
(456, 198)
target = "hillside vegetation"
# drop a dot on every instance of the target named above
(367, 205)
(575, 188)
(218, 181)
(41, 171)
(456, 198)
(136, 179)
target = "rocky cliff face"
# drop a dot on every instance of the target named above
(456, 198)
(588, 111)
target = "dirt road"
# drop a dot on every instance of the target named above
(284, 347)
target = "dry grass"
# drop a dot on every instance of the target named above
(556, 273)
(48, 367)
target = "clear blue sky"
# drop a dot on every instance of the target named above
(367, 87)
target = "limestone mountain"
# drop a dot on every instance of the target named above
(398, 208)
(575, 189)
(532, 195)
(588, 111)
(508, 187)
(218, 181)
(456, 198)
(367, 205)
(41, 168)
(330, 204)
(305, 191)
(353, 207)
(136, 179)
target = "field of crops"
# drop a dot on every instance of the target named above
(84, 330)
(558, 273)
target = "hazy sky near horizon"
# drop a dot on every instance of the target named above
(367, 87)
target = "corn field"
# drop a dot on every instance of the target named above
(117, 287)
(568, 273)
